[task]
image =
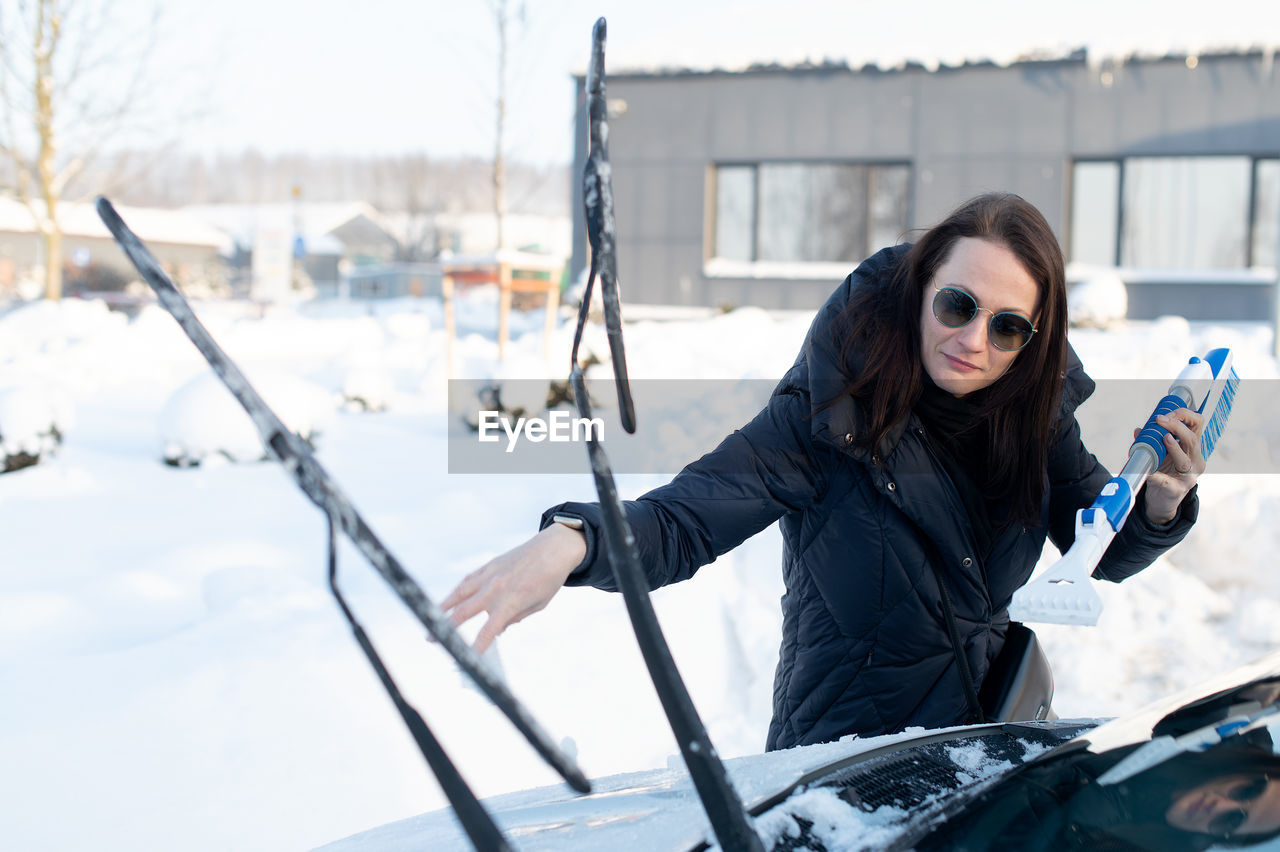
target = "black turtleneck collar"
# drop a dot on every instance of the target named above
(959, 435)
(947, 415)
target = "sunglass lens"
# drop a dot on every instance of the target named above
(953, 307)
(1250, 791)
(1225, 825)
(1010, 331)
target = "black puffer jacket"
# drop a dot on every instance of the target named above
(865, 647)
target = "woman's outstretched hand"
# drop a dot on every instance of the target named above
(516, 584)
(1183, 464)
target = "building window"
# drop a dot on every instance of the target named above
(808, 212)
(1095, 187)
(1205, 212)
(735, 212)
(1186, 212)
(1266, 214)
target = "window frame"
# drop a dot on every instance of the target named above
(755, 263)
(1123, 164)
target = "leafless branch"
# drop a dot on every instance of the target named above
(74, 84)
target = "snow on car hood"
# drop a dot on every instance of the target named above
(659, 809)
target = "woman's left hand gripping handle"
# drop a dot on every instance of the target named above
(1183, 464)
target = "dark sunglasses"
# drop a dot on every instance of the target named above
(1227, 824)
(954, 307)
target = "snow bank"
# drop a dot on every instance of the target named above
(1098, 302)
(202, 419)
(33, 421)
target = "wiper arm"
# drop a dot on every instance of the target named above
(724, 808)
(316, 483)
(597, 198)
(476, 822)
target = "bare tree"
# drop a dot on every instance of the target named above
(407, 188)
(423, 187)
(71, 78)
(504, 18)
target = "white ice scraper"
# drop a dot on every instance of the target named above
(1064, 593)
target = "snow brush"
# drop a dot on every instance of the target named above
(1063, 594)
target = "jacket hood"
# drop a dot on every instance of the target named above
(822, 372)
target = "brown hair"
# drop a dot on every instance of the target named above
(1021, 407)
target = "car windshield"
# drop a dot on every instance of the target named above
(1197, 771)
(1207, 776)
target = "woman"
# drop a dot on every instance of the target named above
(926, 431)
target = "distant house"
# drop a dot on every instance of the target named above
(426, 244)
(767, 186)
(328, 238)
(352, 249)
(189, 249)
(476, 232)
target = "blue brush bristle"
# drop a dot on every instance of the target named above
(1221, 411)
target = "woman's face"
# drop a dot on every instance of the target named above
(962, 360)
(1208, 807)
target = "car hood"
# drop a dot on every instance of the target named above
(892, 792)
(655, 809)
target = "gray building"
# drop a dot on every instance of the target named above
(765, 187)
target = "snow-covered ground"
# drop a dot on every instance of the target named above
(175, 674)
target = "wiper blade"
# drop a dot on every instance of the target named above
(476, 822)
(724, 808)
(315, 482)
(597, 198)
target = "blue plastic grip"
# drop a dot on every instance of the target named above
(1115, 501)
(1153, 434)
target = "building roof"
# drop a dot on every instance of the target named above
(314, 220)
(151, 224)
(827, 65)
(932, 35)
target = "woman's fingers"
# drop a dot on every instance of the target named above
(462, 591)
(516, 584)
(1183, 463)
(480, 591)
(487, 634)
(499, 620)
(1183, 442)
(465, 610)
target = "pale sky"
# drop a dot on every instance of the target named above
(381, 76)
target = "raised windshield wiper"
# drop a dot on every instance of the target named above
(316, 483)
(724, 809)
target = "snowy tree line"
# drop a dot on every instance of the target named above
(404, 183)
